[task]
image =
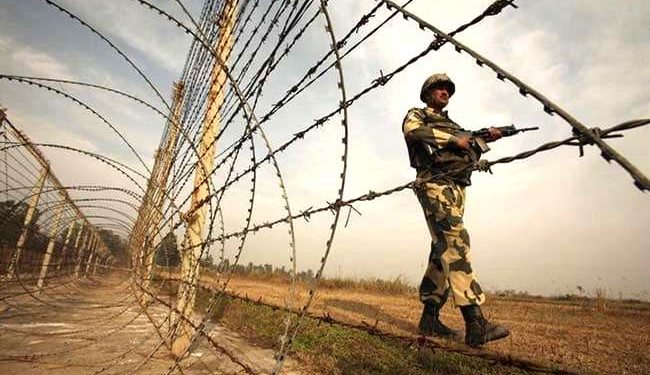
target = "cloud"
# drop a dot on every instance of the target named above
(32, 61)
(123, 114)
(139, 28)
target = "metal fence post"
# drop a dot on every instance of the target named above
(195, 232)
(91, 257)
(95, 265)
(150, 213)
(50, 248)
(64, 248)
(20, 244)
(82, 252)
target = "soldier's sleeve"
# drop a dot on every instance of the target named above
(415, 129)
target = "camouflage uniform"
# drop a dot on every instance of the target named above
(432, 142)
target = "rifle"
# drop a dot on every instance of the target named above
(479, 136)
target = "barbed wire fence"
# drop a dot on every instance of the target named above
(218, 138)
(39, 217)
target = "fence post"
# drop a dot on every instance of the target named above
(20, 244)
(78, 243)
(95, 265)
(64, 248)
(91, 257)
(194, 234)
(50, 248)
(82, 253)
(150, 213)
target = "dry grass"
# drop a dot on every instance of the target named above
(601, 298)
(396, 286)
(332, 349)
(573, 334)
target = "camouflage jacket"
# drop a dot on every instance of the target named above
(432, 142)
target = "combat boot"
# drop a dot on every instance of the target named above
(430, 324)
(478, 330)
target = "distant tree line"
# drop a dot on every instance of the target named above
(115, 244)
(265, 271)
(12, 218)
(168, 255)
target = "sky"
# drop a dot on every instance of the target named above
(544, 225)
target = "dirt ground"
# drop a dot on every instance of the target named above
(97, 327)
(586, 336)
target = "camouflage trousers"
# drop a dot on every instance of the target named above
(449, 269)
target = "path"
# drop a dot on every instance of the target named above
(97, 327)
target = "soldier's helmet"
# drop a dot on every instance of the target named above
(438, 79)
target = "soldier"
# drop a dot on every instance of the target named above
(442, 154)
